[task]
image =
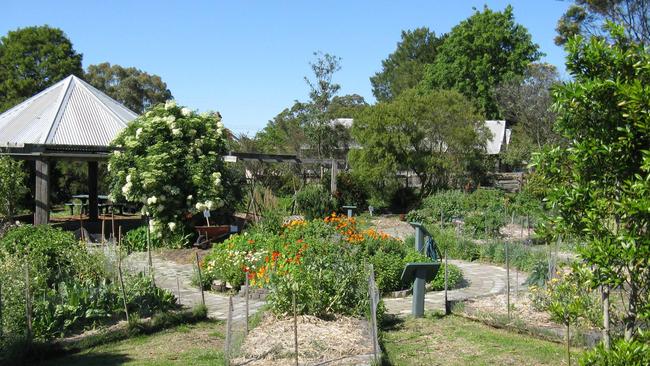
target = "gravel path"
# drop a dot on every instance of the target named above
(483, 279)
(166, 274)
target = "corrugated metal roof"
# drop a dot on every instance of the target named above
(70, 112)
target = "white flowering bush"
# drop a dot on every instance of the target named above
(170, 160)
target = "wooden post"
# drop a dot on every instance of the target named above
(295, 327)
(568, 344)
(528, 225)
(198, 268)
(447, 309)
(605, 299)
(103, 232)
(93, 208)
(334, 173)
(507, 281)
(372, 292)
(28, 303)
(119, 272)
(1, 322)
(246, 294)
(228, 331)
(149, 248)
(178, 288)
(42, 192)
(113, 223)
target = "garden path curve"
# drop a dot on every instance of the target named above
(482, 279)
(166, 273)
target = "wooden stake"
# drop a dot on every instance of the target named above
(508, 280)
(228, 331)
(295, 328)
(149, 248)
(447, 310)
(568, 344)
(28, 303)
(113, 223)
(198, 268)
(178, 289)
(103, 233)
(119, 272)
(246, 294)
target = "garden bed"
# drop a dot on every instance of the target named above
(342, 341)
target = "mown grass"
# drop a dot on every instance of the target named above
(452, 340)
(187, 344)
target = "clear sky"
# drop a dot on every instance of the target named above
(247, 59)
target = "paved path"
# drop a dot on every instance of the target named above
(483, 280)
(166, 274)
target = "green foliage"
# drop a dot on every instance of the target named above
(32, 59)
(480, 53)
(434, 134)
(539, 274)
(622, 353)
(135, 240)
(599, 186)
(172, 163)
(404, 68)
(314, 201)
(590, 17)
(134, 88)
(12, 188)
(351, 191)
(454, 278)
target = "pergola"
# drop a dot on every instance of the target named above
(71, 120)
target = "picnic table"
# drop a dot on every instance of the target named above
(84, 202)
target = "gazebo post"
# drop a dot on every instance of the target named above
(42, 193)
(92, 191)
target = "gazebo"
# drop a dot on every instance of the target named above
(71, 120)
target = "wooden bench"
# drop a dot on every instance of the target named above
(72, 205)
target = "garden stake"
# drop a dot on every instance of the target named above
(119, 272)
(246, 276)
(295, 327)
(198, 268)
(521, 226)
(507, 281)
(28, 304)
(512, 219)
(228, 330)
(568, 344)
(103, 223)
(113, 223)
(1, 323)
(447, 310)
(528, 225)
(178, 289)
(372, 291)
(149, 248)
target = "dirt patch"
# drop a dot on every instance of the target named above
(343, 341)
(182, 256)
(521, 307)
(514, 232)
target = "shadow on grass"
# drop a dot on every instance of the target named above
(92, 359)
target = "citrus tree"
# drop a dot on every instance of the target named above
(170, 160)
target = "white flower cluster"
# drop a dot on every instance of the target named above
(170, 104)
(216, 176)
(219, 128)
(186, 112)
(209, 205)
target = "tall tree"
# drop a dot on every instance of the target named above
(480, 53)
(32, 59)
(526, 101)
(589, 18)
(601, 181)
(404, 68)
(284, 133)
(435, 134)
(132, 87)
(322, 91)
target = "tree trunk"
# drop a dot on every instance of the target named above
(604, 292)
(630, 318)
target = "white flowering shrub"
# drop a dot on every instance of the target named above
(170, 160)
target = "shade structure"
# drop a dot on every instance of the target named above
(70, 120)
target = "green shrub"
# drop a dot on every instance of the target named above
(451, 204)
(314, 201)
(454, 278)
(351, 191)
(388, 269)
(136, 240)
(622, 353)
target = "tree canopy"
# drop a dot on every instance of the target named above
(435, 134)
(32, 59)
(589, 18)
(404, 68)
(600, 183)
(480, 53)
(132, 87)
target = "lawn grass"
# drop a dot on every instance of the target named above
(452, 340)
(187, 344)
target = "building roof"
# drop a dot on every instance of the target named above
(500, 137)
(70, 112)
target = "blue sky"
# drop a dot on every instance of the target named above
(247, 59)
